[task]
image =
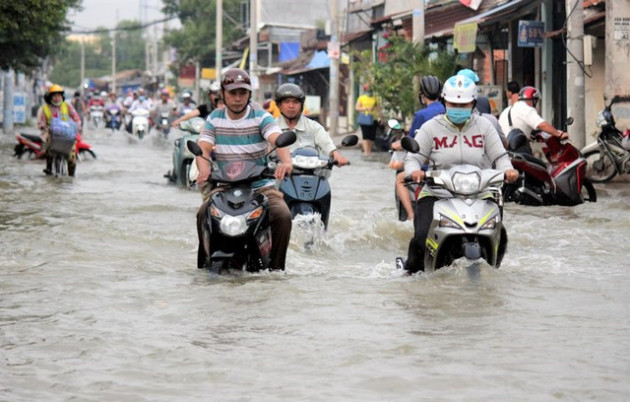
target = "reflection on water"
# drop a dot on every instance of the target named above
(100, 299)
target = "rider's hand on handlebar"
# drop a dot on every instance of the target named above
(341, 161)
(283, 169)
(563, 135)
(511, 175)
(396, 146)
(417, 175)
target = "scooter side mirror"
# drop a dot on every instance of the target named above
(410, 145)
(285, 139)
(349, 140)
(570, 121)
(194, 147)
(393, 124)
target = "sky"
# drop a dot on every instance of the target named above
(106, 13)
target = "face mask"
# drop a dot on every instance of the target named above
(457, 115)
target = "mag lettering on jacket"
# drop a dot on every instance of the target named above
(474, 141)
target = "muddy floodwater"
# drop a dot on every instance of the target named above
(100, 299)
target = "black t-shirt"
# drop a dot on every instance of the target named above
(204, 110)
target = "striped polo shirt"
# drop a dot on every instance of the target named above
(242, 139)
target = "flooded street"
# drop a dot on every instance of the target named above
(100, 298)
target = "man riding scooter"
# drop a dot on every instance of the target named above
(520, 119)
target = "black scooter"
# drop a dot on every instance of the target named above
(237, 219)
(307, 191)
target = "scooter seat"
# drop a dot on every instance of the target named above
(31, 137)
(531, 159)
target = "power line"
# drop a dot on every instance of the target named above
(130, 28)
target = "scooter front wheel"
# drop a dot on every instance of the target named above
(600, 168)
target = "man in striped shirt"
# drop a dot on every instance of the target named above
(241, 131)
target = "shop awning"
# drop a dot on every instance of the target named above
(317, 61)
(457, 14)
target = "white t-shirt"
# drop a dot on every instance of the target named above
(524, 117)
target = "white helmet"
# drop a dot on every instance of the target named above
(459, 89)
(215, 86)
(103, 94)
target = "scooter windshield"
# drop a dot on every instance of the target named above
(238, 171)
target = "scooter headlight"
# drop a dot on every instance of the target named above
(491, 224)
(308, 162)
(466, 183)
(233, 225)
(448, 223)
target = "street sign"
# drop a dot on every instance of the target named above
(531, 33)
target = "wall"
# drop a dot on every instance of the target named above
(594, 91)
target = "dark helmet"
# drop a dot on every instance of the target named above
(289, 90)
(236, 78)
(431, 87)
(528, 93)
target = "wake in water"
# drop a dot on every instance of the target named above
(308, 233)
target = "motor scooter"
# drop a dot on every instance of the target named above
(96, 115)
(307, 191)
(140, 123)
(610, 154)
(236, 229)
(561, 182)
(164, 123)
(183, 159)
(467, 217)
(113, 118)
(31, 146)
(396, 162)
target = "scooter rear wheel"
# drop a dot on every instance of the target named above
(86, 153)
(600, 168)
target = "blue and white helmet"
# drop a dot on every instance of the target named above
(459, 89)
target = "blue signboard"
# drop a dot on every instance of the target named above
(19, 108)
(531, 33)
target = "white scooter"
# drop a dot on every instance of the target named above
(96, 115)
(140, 123)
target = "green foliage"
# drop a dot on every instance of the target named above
(393, 79)
(30, 30)
(130, 46)
(98, 55)
(196, 40)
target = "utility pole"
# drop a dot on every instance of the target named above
(333, 89)
(418, 23)
(82, 65)
(7, 117)
(218, 62)
(253, 47)
(575, 71)
(113, 88)
(418, 35)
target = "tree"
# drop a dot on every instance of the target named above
(130, 46)
(30, 30)
(392, 80)
(196, 39)
(98, 54)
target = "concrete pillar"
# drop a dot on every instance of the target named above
(618, 57)
(575, 71)
(7, 117)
